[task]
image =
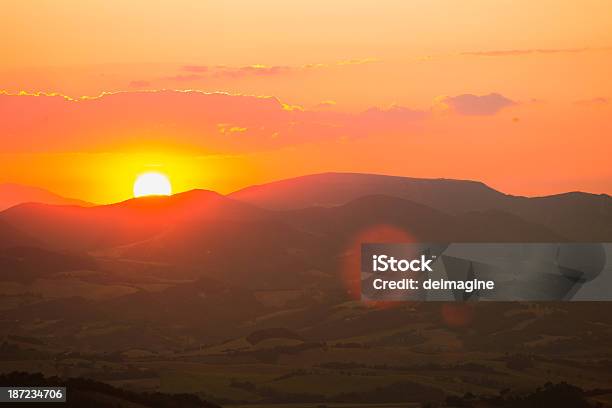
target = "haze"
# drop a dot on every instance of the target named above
(514, 94)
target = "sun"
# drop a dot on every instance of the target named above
(152, 184)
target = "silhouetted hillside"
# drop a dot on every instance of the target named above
(577, 216)
(332, 189)
(86, 228)
(201, 293)
(27, 263)
(421, 223)
(14, 194)
(11, 236)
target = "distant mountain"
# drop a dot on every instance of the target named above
(216, 236)
(260, 253)
(87, 228)
(576, 215)
(202, 233)
(332, 189)
(205, 228)
(420, 222)
(14, 194)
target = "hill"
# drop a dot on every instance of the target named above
(576, 215)
(13, 194)
(87, 228)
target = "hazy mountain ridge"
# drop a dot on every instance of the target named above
(88, 228)
(219, 240)
(167, 293)
(205, 232)
(12, 194)
(332, 189)
(437, 201)
(420, 222)
(575, 215)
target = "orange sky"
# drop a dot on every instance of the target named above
(513, 93)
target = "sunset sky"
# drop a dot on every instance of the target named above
(221, 95)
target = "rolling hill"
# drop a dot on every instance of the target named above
(201, 233)
(13, 194)
(87, 228)
(576, 215)
(209, 294)
(11, 237)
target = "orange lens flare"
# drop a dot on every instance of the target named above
(351, 260)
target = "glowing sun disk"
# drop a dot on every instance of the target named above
(151, 184)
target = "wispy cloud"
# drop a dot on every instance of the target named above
(358, 61)
(477, 105)
(198, 72)
(599, 101)
(251, 70)
(528, 51)
(268, 70)
(207, 122)
(195, 68)
(184, 78)
(51, 123)
(139, 84)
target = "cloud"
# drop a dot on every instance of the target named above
(510, 53)
(195, 68)
(393, 117)
(358, 61)
(222, 70)
(469, 104)
(139, 84)
(328, 104)
(251, 70)
(265, 70)
(184, 78)
(599, 101)
(229, 128)
(185, 119)
(196, 72)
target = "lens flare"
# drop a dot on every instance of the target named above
(351, 259)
